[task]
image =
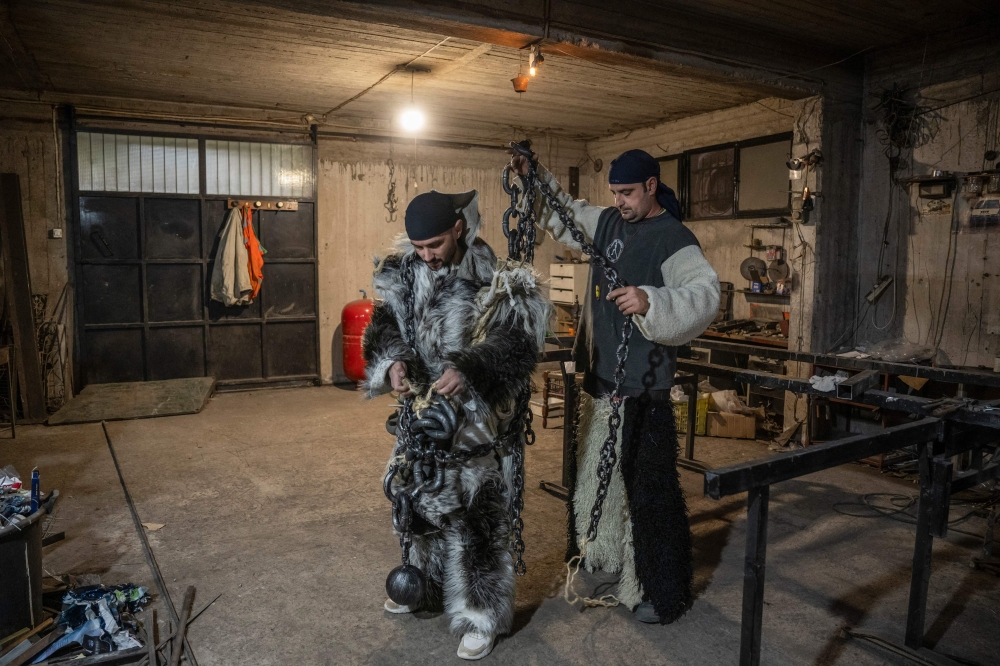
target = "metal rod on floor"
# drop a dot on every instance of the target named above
(146, 549)
(165, 643)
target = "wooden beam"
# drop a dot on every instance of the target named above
(671, 39)
(15, 256)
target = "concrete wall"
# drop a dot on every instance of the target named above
(947, 280)
(30, 146)
(353, 226)
(723, 241)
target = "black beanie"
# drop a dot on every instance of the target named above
(430, 214)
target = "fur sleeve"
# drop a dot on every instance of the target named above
(499, 366)
(683, 308)
(381, 346)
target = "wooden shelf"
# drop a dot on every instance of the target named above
(765, 298)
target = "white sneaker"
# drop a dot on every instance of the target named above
(393, 607)
(475, 646)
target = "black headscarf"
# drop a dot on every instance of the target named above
(430, 214)
(638, 166)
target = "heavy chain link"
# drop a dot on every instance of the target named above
(609, 454)
(521, 240)
(523, 435)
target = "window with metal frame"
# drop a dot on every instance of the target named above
(734, 180)
(134, 163)
(247, 168)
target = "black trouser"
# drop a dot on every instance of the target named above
(660, 532)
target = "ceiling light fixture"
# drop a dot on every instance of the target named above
(535, 59)
(412, 119)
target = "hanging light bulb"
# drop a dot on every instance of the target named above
(535, 59)
(412, 119)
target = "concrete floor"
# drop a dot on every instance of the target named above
(273, 499)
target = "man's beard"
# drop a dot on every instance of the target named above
(438, 264)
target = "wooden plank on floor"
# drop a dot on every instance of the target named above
(136, 400)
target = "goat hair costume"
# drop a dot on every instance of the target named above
(488, 321)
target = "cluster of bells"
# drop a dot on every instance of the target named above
(423, 473)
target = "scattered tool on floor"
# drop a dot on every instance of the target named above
(146, 549)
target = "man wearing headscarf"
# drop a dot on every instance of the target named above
(478, 328)
(673, 295)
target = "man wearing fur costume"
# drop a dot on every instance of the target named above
(477, 330)
(673, 295)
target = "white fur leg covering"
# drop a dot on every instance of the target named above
(612, 550)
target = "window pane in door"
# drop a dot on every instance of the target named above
(242, 168)
(712, 184)
(129, 163)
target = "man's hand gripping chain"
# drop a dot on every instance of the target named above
(609, 455)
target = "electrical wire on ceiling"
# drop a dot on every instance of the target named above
(386, 77)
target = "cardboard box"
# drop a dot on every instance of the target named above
(734, 426)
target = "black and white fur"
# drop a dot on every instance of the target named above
(488, 321)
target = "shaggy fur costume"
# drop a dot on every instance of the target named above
(488, 321)
(644, 533)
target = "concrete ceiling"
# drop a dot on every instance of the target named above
(302, 57)
(263, 57)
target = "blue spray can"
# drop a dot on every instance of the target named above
(35, 490)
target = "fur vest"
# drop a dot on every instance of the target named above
(487, 319)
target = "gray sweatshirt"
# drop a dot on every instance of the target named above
(682, 304)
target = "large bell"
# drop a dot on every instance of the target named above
(406, 585)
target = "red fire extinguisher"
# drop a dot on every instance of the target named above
(353, 321)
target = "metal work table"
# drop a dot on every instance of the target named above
(939, 430)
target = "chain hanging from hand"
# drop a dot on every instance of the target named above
(521, 239)
(520, 247)
(525, 221)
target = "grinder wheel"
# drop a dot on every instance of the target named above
(756, 263)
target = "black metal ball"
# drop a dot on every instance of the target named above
(406, 585)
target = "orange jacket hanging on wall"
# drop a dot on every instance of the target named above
(255, 253)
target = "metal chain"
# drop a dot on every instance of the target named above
(609, 455)
(520, 241)
(517, 498)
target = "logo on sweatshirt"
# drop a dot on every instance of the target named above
(614, 251)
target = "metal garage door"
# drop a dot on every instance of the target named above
(150, 209)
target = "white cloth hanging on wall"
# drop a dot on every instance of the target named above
(231, 277)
